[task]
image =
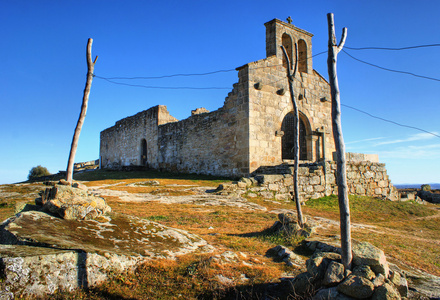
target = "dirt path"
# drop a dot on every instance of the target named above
(202, 196)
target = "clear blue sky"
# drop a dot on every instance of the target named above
(43, 71)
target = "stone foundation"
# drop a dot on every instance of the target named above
(364, 178)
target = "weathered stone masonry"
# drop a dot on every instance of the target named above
(364, 178)
(252, 130)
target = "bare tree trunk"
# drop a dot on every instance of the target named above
(344, 208)
(82, 115)
(296, 131)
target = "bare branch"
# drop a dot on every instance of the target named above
(288, 62)
(331, 30)
(295, 68)
(344, 36)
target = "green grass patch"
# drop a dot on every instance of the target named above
(158, 218)
(373, 210)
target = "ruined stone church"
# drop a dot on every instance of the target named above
(254, 128)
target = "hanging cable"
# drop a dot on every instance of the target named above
(393, 49)
(172, 75)
(164, 87)
(389, 121)
(390, 70)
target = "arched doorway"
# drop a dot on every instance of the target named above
(287, 141)
(144, 160)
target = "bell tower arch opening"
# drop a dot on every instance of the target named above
(302, 56)
(288, 44)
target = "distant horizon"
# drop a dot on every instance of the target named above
(434, 186)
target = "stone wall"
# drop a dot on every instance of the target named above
(214, 143)
(121, 144)
(271, 102)
(364, 178)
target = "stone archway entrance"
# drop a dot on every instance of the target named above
(287, 141)
(144, 160)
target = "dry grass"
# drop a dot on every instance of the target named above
(405, 231)
(11, 194)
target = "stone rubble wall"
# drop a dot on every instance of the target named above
(314, 181)
(213, 143)
(121, 144)
(86, 165)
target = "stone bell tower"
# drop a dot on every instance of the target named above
(279, 33)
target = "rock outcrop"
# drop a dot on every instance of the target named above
(72, 240)
(370, 277)
(72, 203)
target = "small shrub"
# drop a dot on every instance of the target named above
(38, 171)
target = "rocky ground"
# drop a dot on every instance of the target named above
(153, 219)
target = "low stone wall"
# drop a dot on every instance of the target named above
(92, 164)
(364, 178)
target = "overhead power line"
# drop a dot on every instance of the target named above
(172, 75)
(164, 87)
(390, 70)
(389, 121)
(393, 49)
(373, 116)
(189, 74)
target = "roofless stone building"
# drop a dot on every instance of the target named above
(252, 131)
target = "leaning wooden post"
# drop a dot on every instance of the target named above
(296, 131)
(344, 208)
(82, 115)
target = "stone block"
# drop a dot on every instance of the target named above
(360, 190)
(288, 181)
(382, 183)
(318, 263)
(315, 180)
(319, 188)
(364, 271)
(366, 254)
(334, 274)
(273, 187)
(356, 287)
(385, 291)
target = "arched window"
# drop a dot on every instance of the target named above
(288, 44)
(302, 56)
(287, 141)
(144, 159)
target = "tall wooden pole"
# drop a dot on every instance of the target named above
(82, 115)
(344, 208)
(296, 132)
